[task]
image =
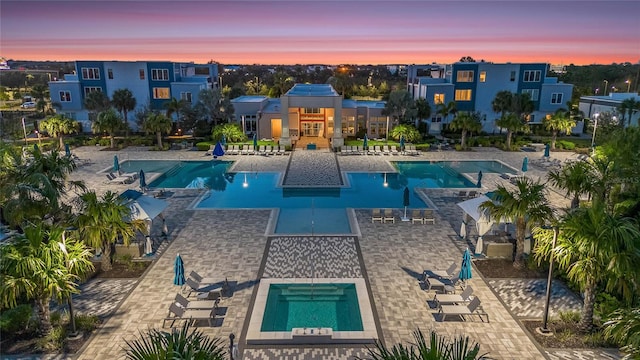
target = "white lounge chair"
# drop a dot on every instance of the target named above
(473, 308)
(262, 150)
(385, 150)
(427, 216)
(453, 299)
(376, 215)
(376, 150)
(394, 150)
(388, 216)
(190, 315)
(416, 216)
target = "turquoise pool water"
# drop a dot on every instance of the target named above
(312, 305)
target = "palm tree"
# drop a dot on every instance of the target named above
(466, 121)
(282, 83)
(39, 265)
(423, 109)
(512, 123)
(627, 108)
(400, 106)
(521, 105)
(57, 126)
(40, 92)
(157, 123)
(409, 132)
(104, 220)
(445, 110)
(437, 348)
(124, 102)
(526, 206)
(96, 102)
(624, 328)
(177, 344)
(574, 178)
(175, 106)
(594, 247)
(559, 121)
(108, 121)
(502, 102)
(232, 132)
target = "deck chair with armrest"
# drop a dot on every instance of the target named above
(190, 315)
(262, 150)
(453, 299)
(445, 285)
(445, 274)
(376, 150)
(245, 150)
(200, 304)
(428, 217)
(472, 194)
(473, 308)
(394, 150)
(416, 217)
(388, 216)
(376, 215)
(385, 150)
(210, 151)
(193, 286)
(119, 179)
(203, 280)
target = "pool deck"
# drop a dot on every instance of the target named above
(232, 244)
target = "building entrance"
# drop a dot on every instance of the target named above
(312, 128)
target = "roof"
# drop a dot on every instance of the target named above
(312, 90)
(250, 98)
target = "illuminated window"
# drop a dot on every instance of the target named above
(89, 89)
(464, 76)
(438, 98)
(91, 73)
(110, 74)
(532, 75)
(161, 93)
(160, 74)
(463, 95)
(141, 74)
(534, 93)
(556, 98)
(312, 110)
(186, 96)
(483, 76)
(65, 96)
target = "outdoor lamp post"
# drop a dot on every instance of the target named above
(628, 82)
(386, 136)
(545, 317)
(606, 84)
(73, 334)
(593, 137)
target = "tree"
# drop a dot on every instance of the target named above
(124, 102)
(409, 132)
(624, 328)
(57, 126)
(574, 178)
(175, 106)
(232, 132)
(103, 220)
(627, 108)
(96, 102)
(437, 348)
(467, 59)
(526, 206)
(521, 105)
(423, 109)
(214, 107)
(512, 123)
(559, 121)
(466, 122)
(282, 83)
(40, 265)
(400, 106)
(157, 123)
(177, 344)
(594, 246)
(444, 110)
(40, 92)
(108, 121)
(502, 102)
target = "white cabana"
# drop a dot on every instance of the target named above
(471, 209)
(145, 208)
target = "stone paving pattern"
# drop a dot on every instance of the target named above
(313, 168)
(512, 291)
(232, 244)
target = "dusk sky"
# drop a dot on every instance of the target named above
(322, 32)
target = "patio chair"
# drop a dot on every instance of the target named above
(453, 299)
(427, 215)
(177, 313)
(385, 150)
(447, 286)
(416, 216)
(210, 151)
(281, 149)
(202, 280)
(193, 286)
(359, 150)
(191, 305)
(114, 179)
(462, 194)
(444, 274)
(473, 308)
(376, 150)
(388, 216)
(376, 215)
(245, 150)
(262, 150)
(472, 194)
(394, 150)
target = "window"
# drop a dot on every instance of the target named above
(312, 110)
(65, 96)
(89, 89)
(534, 93)
(532, 75)
(464, 76)
(159, 74)
(438, 98)
(90, 73)
(556, 98)
(436, 119)
(110, 74)
(186, 96)
(463, 95)
(141, 74)
(250, 123)
(161, 93)
(513, 76)
(483, 76)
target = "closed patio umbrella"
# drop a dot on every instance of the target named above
(143, 180)
(218, 150)
(224, 140)
(255, 142)
(116, 163)
(401, 142)
(546, 150)
(178, 269)
(525, 164)
(148, 246)
(364, 143)
(479, 179)
(465, 268)
(67, 151)
(405, 202)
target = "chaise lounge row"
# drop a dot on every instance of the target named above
(378, 150)
(417, 216)
(262, 150)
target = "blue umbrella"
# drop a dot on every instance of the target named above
(364, 143)
(465, 269)
(178, 269)
(218, 150)
(525, 164)
(401, 142)
(143, 180)
(479, 179)
(116, 163)
(67, 151)
(255, 141)
(546, 150)
(405, 202)
(224, 140)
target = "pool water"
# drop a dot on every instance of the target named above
(332, 306)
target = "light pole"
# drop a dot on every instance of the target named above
(386, 136)
(544, 329)
(606, 84)
(628, 82)
(593, 137)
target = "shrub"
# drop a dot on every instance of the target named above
(606, 304)
(564, 144)
(54, 341)
(569, 317)
(87, 323)
(56, 318)
(16, 319)
(203, 146)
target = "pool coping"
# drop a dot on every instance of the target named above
(255, 336)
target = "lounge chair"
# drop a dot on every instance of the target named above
(447, 286)
(193, 286)
(191, 305)
(444, 274)
(233, 150)
(462, 194)
(376, 215)
(262, 150)
(281, 150)
(473, 308)
(359, 151)
(472, 194)
(388, 216)
(385, 150)
(453, 299)
(376, 150)
(114, 179)
(269, 150)
(394, 150)
(428, 217)
(190, 315)
(202, 280)
(210, 151)
(133, 175)
(345, 150)
(416, 217)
